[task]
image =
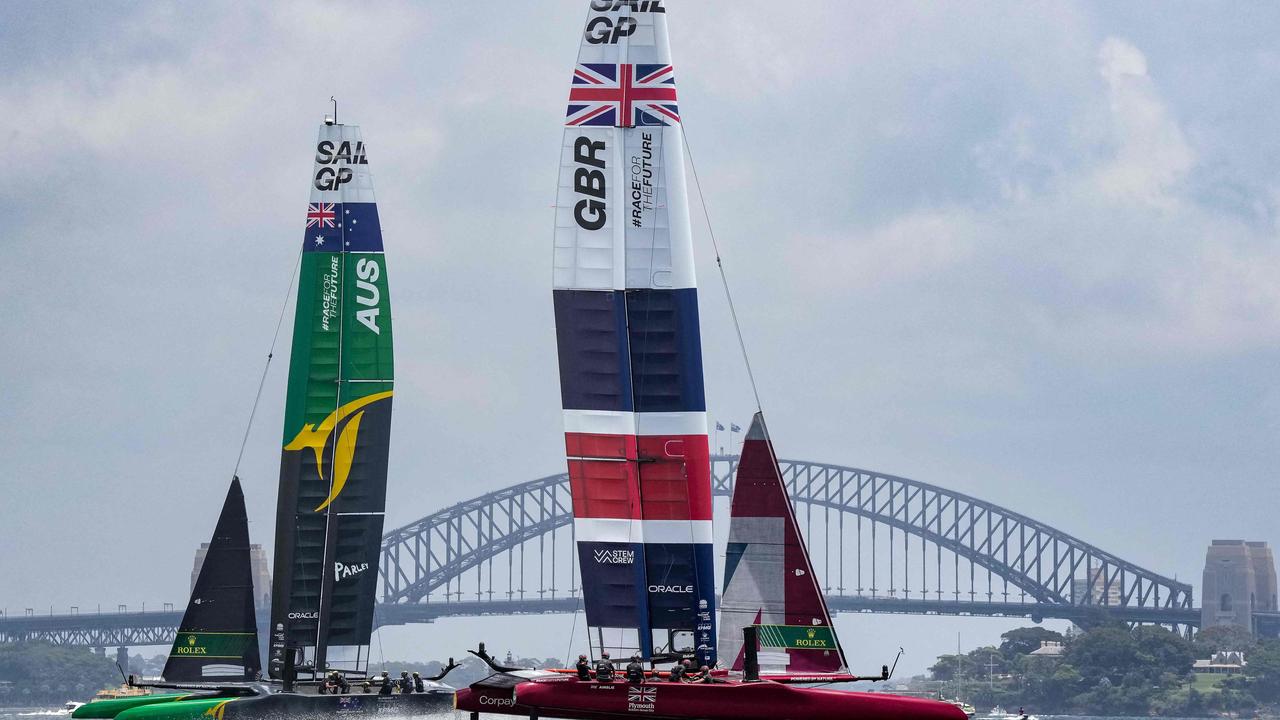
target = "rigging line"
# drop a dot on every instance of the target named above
(573, 630)
(378, 634)
(270, 353)
(330, 512)
(724, 279)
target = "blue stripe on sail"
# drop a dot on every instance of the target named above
(361, 230)
(353, 227)
(613, 584)
(591, 336)
(681, 587)
(666, 350)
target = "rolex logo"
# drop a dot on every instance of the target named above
(191, 639)
(812, 633)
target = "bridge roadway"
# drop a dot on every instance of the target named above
(866, 530)
(157, 628)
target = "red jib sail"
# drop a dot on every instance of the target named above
(768, 579)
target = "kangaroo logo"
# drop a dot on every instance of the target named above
(216, 712)
(316, 436)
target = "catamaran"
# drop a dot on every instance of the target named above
(332, 491)
(631, 380)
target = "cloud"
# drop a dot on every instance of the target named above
(1151, 155)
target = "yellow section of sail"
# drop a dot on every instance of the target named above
(316, 436)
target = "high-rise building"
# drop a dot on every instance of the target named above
(1239, 578)
(258, 564)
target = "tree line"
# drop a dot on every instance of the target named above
(1113, 669)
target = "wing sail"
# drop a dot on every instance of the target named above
(626, 310)
(333, 467)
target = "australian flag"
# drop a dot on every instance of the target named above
(342, 227)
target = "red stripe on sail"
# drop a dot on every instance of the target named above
(600, 445)
(604, 489)
(663, 477)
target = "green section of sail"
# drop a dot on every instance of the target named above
(797, 637)
(213, 645)
(343, 317)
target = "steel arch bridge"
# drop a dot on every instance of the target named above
(881, 543)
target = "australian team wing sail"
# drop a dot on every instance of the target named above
(333, 467)
(218, 636)
(768, 578)
(626, 311)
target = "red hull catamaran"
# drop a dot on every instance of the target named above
(770, 590)
(566, 697)
(636, 439)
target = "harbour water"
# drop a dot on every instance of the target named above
(45, 712)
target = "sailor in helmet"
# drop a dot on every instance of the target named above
(604, 668)
(635, 671)
(583, 667)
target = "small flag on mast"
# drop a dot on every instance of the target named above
(734, 427)
(719, 426)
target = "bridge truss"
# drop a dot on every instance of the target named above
(881, 544)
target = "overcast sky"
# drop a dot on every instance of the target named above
(1027, 251)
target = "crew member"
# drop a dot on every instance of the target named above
(365, 687)
(604, 668)
(406, 685)
(704, 675)
(386, 684)
(679, 671)
(417, 682)
(635, 671)
(583, 667)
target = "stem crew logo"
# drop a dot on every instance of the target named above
(317, 436)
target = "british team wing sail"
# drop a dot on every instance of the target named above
(768, 578)
(218, 636)
(626, 311)
(333, 468)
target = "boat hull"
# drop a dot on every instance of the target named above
(101, 709)
(727, 700)
(291, 706)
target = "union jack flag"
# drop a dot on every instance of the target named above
(321, 215)
(622, 95)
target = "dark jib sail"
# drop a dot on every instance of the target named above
(218, 635)
(626, 310)
(768, 578)
(333, 468)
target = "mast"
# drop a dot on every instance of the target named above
(218, 635)
(768, 576)
(629, 345)
(333, 467)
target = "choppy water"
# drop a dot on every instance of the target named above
(47, 713)
(51, 713)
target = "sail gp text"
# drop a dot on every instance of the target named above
(327, 154)
(642, 180)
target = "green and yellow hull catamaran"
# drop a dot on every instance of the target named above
(332, 493)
